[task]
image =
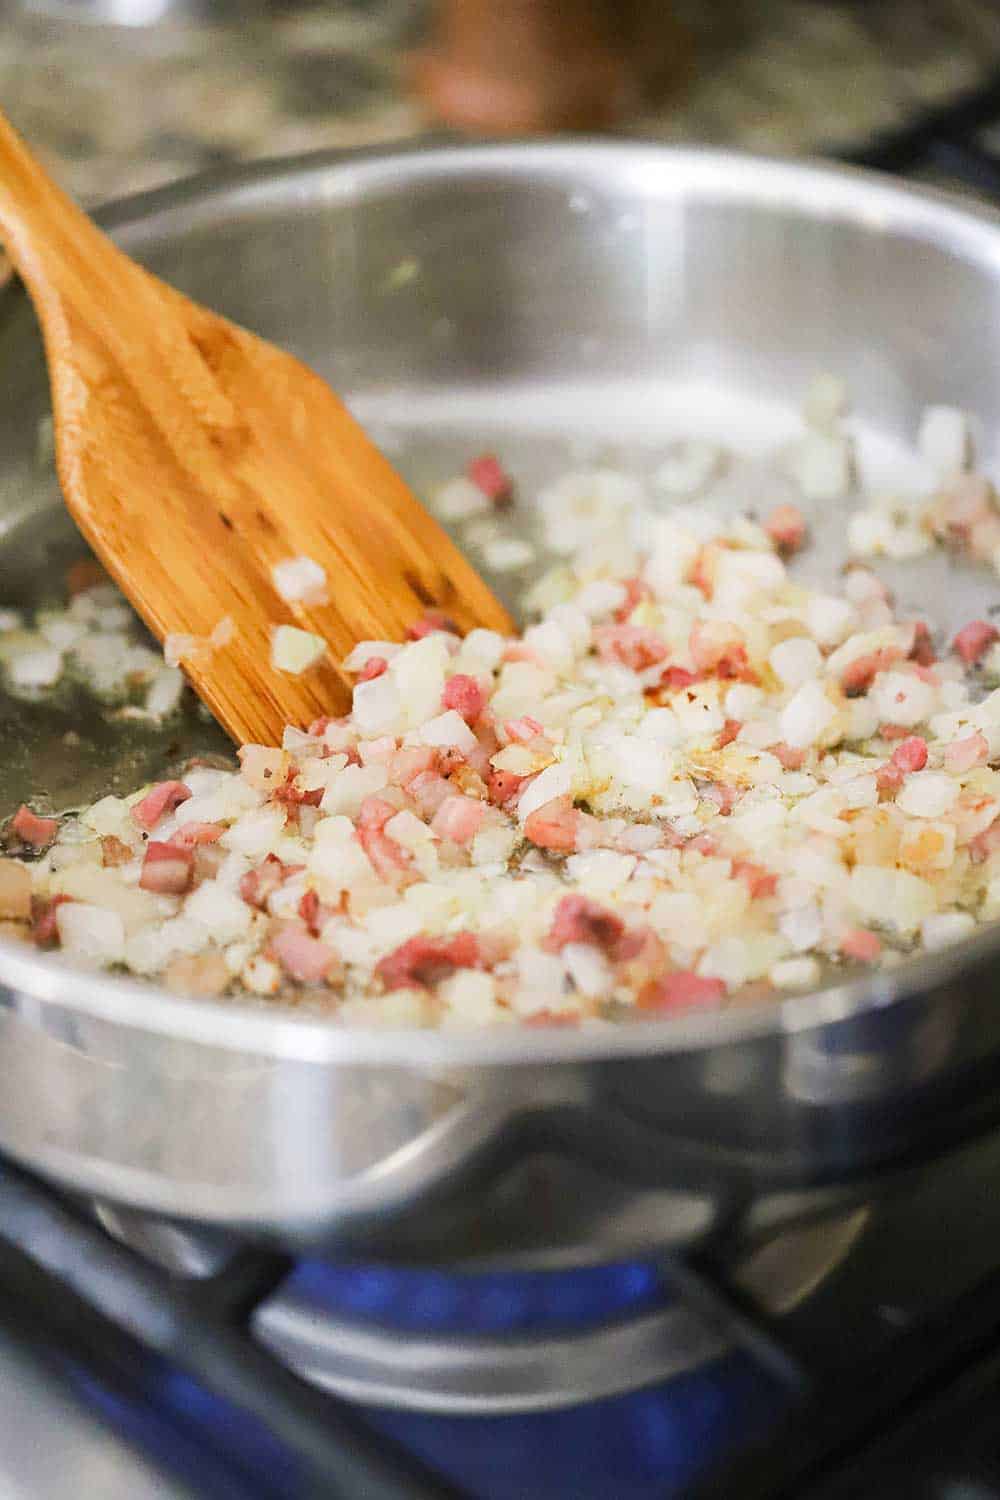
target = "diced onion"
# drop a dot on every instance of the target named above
(295, 651)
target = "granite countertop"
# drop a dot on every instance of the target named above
(113, 110)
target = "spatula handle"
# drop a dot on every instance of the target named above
(97, 309)
(50, 241)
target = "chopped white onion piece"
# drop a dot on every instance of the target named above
(349, 788)
(448, 729)
(795, 974)
(689, 467)
(469, 997)
(927, 794)
(602, 596)
(222, 913)
(363, 652)
(300, 579)
(825, 403)
(164, 694)
(507, 554)
(946, 927)
(830, 619)
(555, 781)
(460, 500)
(589, 970)
(822, 464)
(61, 631)
(177, 646)
(944, 440)
(90, 933)
(295, 651)
(36, 669)
(796, 660)
(805, 718)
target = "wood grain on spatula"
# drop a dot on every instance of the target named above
(195, 456)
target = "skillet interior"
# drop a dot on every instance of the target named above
(561, 305)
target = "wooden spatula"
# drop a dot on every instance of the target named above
(195, 457)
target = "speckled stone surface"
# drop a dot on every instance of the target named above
(116, 109)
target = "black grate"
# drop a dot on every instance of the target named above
(952, 144)
(919, 1420)
(79, 1294)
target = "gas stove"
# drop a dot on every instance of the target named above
(816, 1365)
(857, 1355)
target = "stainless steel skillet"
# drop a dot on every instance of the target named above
(554, 302)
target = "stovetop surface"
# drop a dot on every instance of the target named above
(887, 1374)
(50, 1445)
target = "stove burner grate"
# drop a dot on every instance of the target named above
(171, 1360)
(957, 144)
(100, 1310)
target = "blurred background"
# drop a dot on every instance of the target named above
(119, 95)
